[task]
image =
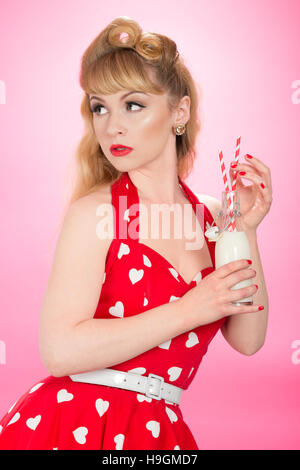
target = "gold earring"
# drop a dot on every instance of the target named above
(179, 129)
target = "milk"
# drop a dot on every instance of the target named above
(232, 246)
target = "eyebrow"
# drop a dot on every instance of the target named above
(122, 97)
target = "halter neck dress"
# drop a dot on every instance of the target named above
(58, 413)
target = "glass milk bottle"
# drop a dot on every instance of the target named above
(232, 243)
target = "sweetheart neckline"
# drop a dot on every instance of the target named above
(185, 192)
(171, 265)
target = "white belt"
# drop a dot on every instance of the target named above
(153, 386)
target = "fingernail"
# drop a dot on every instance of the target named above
(233, 165)
(261, 307)
(248, 156)
(249, 261)
(262, 185)
(256, 286)
(242, 172)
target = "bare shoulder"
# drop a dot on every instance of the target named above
(80, 256)
(85, 214)
(212, 203)
(100, 196)
(86, 206)
(75, 282)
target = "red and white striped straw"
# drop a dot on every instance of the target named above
(225, 180)
(236, 160)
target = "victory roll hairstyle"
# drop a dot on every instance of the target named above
(121, 57)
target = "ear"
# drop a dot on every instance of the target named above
(183, 110)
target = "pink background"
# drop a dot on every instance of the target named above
(245, 57)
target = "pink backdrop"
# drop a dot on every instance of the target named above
(245, 57)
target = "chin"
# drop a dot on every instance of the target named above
(124, 164)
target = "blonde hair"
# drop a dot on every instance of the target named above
(111, 64)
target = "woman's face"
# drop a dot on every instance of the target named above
(138, 120)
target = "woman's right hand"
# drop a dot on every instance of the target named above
(212, 298)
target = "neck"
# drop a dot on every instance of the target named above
(157, 188)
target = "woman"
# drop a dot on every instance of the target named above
(117, 384)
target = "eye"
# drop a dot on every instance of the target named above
(135, 104)
(94, 109)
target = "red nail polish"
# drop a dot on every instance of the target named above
(242, 173)
(262, 185)
(261, 307)
(249, 261)
(233, 165)
(248, 156)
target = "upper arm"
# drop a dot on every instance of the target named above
(76, 277)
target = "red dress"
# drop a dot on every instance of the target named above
(57, 413)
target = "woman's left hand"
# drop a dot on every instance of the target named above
(256, 199)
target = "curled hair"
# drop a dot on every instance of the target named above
(120, 57)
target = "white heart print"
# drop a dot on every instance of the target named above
(142, 398)
(33, 423)
(123, 250)
(137, 370)
(80, 434)
(173, 416)
(14, 418)
(11, 407)
(193, 339)
(126, 215)
(145, 301)
(119, 441)
(101, 406)
(63, 395)
(36, 387)
(136, 275)
(154, 427)
(117, 310)
(170, 402)
(175, 273)
(174, 373)
(198, 277)
(173, 297)
(147, 261)
(165, 345)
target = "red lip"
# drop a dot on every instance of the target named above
(119, 153)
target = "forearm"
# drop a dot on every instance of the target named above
(246, 332)
(100, 343)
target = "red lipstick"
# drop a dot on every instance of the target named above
(120, 150)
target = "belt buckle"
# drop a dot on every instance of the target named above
(148, 393)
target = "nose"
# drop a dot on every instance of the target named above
(115, 124)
